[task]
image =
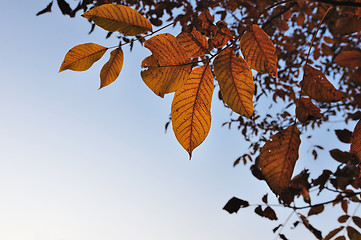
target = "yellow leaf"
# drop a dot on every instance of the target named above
(235, 82)
(112, 17)
(356, 140)
(191, 109)
(82, 57)
(259, 51)
(278, 158)
(168, 68)
(194, 43)
(316, 86)
(112, 68)
(349, 58)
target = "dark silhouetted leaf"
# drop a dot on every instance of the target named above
(234, 204)
(283, 237)
(344, 205)
(259, 210)
(340, 156)
(65, 8)
(353, 234)
(313, 230)
(269, 213)
(343, 218)
(340, 238)
(306, 110)
(356, 140)
(333, 233)
(357, 221)
(344, 135)
(264, 198)
(45, 10)
(276, 228)
(316, 210)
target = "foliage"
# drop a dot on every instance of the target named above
(295, 47)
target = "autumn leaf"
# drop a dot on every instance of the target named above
(234, 204)
(352, 233)
(223, 35)
(112, 68)
(82, 57)
(343, 218)
(357, 221)
(349, 58)
(333, 233)
(168, 68)
(306, 110)
(316, 86)
(259, 51)
(191, 116)
(316, 210)
(115, 17)
(207, 27)
(235, 82)
(278, 158)
(46, 9)
(194, 43)
(356, 140)
(344, 135)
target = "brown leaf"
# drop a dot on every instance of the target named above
(344, 205)
(259, 210)
(265, 198)
(168, 68)
(306, 110)
(340, 238)
(223, 35)
(235, 82)
(343, 218)
(316, 86)
(259, 51)
(46, 9)
(112, 68)
(333, 233)
(344, 135)
(356, 140)
(207, 28)
(346, 25)
(300, 19)
(357, 221)
(340, 156)
(349, 58)
(278, 158)
(353, 234)
(234, 204)
(313, 230)
(316, 210)
(194, 43)
(270, 213)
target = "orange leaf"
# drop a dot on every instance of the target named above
(112, 68)
(316, 85)
(112, 17)
(349, 58)
(223, 35)
(356, 140)
(235, 82)
(168, 68)
(278, 158)
(194, 43)
(259, 51)
(306, 110)
(191, 109)
(82, 57)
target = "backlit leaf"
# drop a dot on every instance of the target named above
(316, 210)
(278, 158)
(316, 86)
(349, 58)
(168, 68)
(306, 110)
(259, 51)
(333, 233)
(194, 43)
(112, 17)
(82, 57)
(234, 204)
(235, 82)
(356, 140)
(112, 68)
(223, 35)
(191, 116)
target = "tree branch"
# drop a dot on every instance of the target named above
(337, 3)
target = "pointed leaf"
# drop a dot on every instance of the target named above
(65, 8)
(278, 158)
(316, 86)
(333, 233)
(343, 218)
(340, 238)
(82, 57)
(112, 17)
(112, 68)
(306, 110)
(235, 82)
(223, 35)
(270, 213)
(312, 229)
(46, 9)
(356, 140)
(316, 210)
(259, 51)
(357, 221)
(168, 68)
(191, 109)
(194, 43)
(340, 156)
(353, 234)
(234, 204)
(349, 58)
(344, 135)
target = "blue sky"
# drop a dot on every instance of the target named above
(81, 163)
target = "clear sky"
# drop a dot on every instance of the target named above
(79, 163)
